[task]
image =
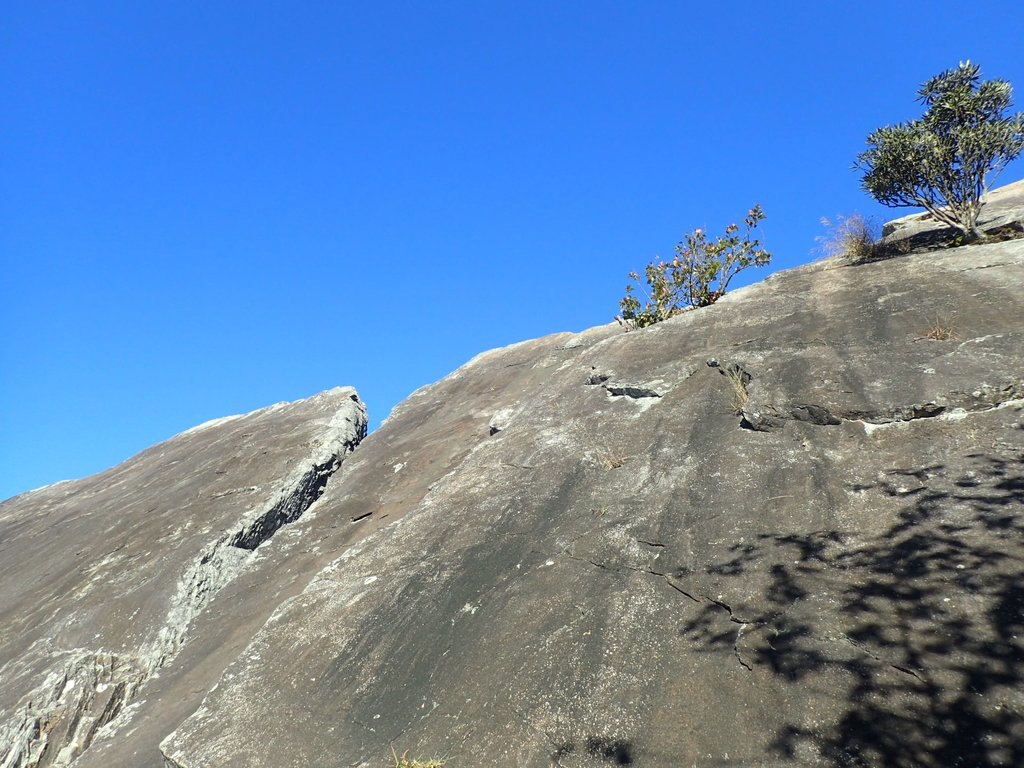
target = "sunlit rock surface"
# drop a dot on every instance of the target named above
(1001, 215)
(106, 580)
(782, 530)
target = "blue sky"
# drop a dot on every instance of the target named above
(208, 208)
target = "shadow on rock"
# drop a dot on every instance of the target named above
(920, 627)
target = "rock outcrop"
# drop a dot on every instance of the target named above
(1001, 215)
(104, 579)
(785, 529)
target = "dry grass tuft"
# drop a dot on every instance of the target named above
(853, 237)
(939, 329)
(610, 460)
(404, 761)
(739, 396)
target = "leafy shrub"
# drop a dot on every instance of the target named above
(697, 276)
(946, 160)
(853, 237)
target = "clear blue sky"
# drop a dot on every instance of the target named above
(209, 207)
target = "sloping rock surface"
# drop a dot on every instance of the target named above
(1002, 215)
(782, 530)
(106, 580)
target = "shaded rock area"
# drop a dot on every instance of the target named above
(783, 530)
(104, 579)
(1001, 217)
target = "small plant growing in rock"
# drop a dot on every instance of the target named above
(697, 276)
(946, 160)
(853, 237)
(404, 761)
(739, 379)
(739, 395)
(612, 460)
(939, 329)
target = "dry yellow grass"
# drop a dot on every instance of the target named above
(610, 460)
(404, 761)
(939, 329)
(739, 394)
(853, 237)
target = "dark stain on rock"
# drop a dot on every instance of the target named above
(290, 508)
(613, 750)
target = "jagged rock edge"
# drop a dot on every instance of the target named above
(769, 417)
(216, 567)
(75, 689)
(773, 418)
(331, 573)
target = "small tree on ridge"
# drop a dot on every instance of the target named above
(946, 160)
(697, 276)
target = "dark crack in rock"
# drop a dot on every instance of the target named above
(129, 532)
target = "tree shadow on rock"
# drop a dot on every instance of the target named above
(923, 624)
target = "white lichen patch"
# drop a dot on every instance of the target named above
(644, 404)
(501, 419)
(210, 423)
(870, 429)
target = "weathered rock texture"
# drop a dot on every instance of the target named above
(1001, 215)
(105, 579)
(782, 530)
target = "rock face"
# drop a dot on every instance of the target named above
(105, 579)
(1002, 215)
(785, 529)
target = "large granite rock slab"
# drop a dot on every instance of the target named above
(104, 579)
(782, 530)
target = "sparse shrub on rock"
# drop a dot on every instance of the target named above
(853, 237)
(697, 276)
(946, 160)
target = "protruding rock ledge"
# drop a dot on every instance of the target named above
(197, 489)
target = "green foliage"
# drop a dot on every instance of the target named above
(946, 160)
(697, 276)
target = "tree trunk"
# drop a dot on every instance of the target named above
(970, 226)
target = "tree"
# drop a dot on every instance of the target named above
(946, 160)
(697, 276)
